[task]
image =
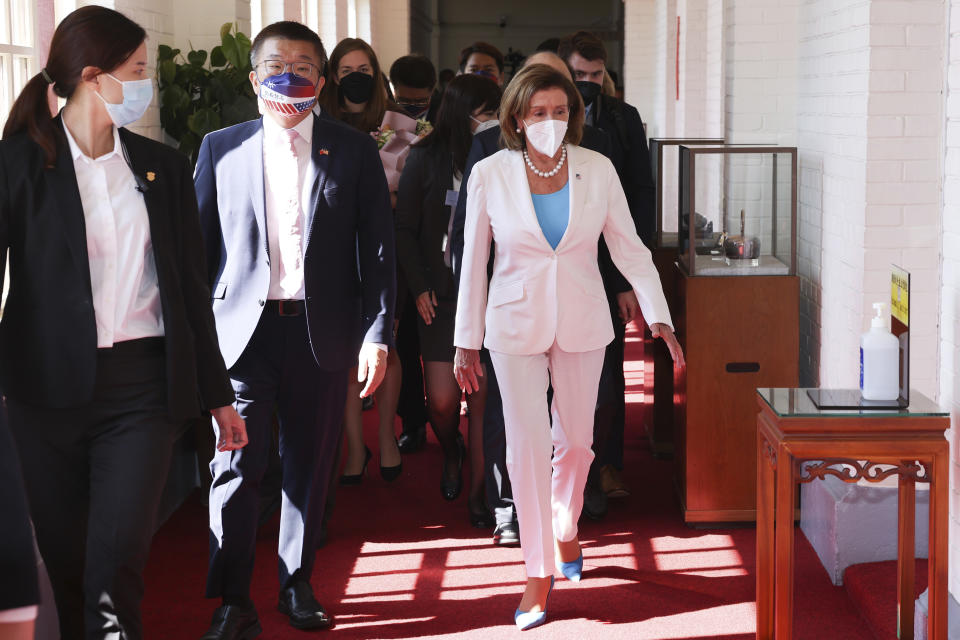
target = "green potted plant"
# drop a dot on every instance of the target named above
(196, 98)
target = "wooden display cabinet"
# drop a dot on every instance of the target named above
(738, 334)
(658, 365)
(737, 318)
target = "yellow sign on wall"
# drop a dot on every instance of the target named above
(900, 295)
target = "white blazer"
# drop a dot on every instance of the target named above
(538, 294)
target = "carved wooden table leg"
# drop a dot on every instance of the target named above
(766, 488)
(938, 563)
(785, 505)
(905, 556)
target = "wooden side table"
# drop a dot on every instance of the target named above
(796, 442)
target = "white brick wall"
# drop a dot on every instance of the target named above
(950, 282)
(833, 79)
(905, 107)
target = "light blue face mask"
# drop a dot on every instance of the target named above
(137, 95)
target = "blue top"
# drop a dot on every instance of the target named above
(553, 213)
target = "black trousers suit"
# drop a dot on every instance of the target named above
(296, 364)
(94, 427)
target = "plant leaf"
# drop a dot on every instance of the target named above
(203, 122)
(197, 58)
(217, 59)
(164, 53)
(231, 51)
(225, 29)
(167, 71)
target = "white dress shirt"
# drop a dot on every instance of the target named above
(286, 273)
(123, 273)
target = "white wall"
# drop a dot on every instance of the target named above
(950, 281)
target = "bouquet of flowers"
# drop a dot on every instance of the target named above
(394, 137)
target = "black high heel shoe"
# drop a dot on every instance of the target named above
(356, 478)
(451, 488)
(391, 473)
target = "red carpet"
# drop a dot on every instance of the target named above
(403, 563)
(873, 588)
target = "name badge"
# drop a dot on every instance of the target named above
(452, 198)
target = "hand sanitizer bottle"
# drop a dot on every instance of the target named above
(879, 360)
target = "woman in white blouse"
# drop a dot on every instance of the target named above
(107, 343)
(543, 202)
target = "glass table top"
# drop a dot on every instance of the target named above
(796, 403)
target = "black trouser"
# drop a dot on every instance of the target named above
(496, 478)
(277, 370)
(411, 407)
(608, 422)
(94, 476)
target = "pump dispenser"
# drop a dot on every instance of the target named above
(879, 360)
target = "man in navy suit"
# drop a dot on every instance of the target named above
(299, 234)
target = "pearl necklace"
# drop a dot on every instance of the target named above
(547, 174)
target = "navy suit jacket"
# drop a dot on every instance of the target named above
(349, 264)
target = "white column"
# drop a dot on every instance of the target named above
(390, 30)
(640, 56)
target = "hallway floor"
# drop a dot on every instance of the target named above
(403, 563)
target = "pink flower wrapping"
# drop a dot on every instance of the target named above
(395, 135)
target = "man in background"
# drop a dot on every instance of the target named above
(587, 57)
(482, 58)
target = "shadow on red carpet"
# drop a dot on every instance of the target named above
(401, 562)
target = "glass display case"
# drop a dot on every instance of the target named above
(737, 210)
(665, 164)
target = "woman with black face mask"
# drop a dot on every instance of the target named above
(355, 94)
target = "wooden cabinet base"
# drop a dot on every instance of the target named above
(738, 334)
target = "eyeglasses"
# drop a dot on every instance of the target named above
(302, 69)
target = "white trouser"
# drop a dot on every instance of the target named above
(523, 384)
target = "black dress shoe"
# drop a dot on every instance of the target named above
(391, 473)
(450, 488)
(353, 479)
(506, 534)
(594, 502)
(232, 622)
(297, 602)
(412, 441)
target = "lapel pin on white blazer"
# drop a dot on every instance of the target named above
(578, 176)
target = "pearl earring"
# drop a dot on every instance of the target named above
(518, 129)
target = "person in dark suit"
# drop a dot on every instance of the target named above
(107, 343)
(296, 216)
(587, 56)
(499, 491)
(429, 186)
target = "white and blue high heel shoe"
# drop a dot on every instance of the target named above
(530, 619)
(573, 571)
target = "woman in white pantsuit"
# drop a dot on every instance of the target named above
(543, 202)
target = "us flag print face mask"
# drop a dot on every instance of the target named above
(288, 94)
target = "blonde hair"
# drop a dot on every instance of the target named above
(516, 102)
(608, 88)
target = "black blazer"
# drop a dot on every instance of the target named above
(631, 157)
(485, 144)
(422, 217)
(48, 335)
